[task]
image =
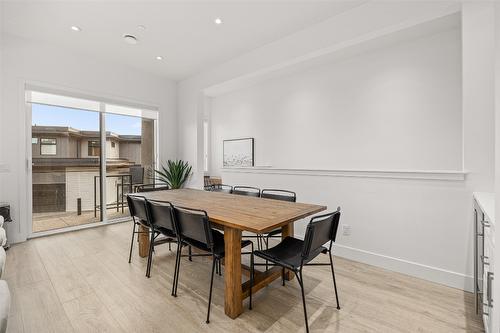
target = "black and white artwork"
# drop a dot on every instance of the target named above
(238, 153)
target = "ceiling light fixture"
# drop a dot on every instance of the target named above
(218, 21)
(141, 27)
(159, 58)
(130, 39)
(75, 28)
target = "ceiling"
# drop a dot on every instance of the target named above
(183, 34)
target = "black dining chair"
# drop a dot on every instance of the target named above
(194, 228)
(138, 212)
(161, 218)
(246, 190)
(151, 188)
(222, 188)
(293, 254)
(275, 194)
(140, 216)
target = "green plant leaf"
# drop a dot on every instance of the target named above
(175, 174)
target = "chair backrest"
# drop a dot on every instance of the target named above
(283, 195)
(222, 188)
(151, 188)
(161, 214)
(194, 224)
(137, 173)
(320, 230)
(137, 207)
(246, 190)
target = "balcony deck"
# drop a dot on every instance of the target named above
(59, 220)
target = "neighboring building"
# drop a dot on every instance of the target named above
(66, 161)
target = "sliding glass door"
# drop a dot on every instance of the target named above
(86, 156)
(63, 168)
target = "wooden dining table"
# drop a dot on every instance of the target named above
(234, 214)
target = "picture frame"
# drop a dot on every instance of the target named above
(238, 153)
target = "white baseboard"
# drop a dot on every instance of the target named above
(434, 274)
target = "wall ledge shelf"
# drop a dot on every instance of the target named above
(450, 175)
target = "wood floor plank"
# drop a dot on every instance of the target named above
(88, 314)
(66, 279)
(41, 309)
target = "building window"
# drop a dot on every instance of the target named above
(34, 141)
(112, 145)
(48, 146)
(94, 148)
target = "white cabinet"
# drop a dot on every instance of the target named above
(484, 256)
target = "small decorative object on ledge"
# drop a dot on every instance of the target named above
(4, 217)
(238, 153)
(5, 211)
(175, 174)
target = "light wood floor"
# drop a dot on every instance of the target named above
(81, 282)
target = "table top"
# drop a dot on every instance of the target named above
(236, 211)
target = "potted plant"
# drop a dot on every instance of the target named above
(175, 174)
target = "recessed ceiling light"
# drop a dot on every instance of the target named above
(218, 20)
(75, 28)
(159, 58)
(130, 39)
(141, 27)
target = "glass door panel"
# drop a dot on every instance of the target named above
(130, 158)
(65, 167)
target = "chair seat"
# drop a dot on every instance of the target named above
(274, 232)
(219, 247)
(143, 222)
(288, 253)
(167, 232)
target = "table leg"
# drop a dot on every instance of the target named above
(287, 230)
(233, 300)
(143, 241)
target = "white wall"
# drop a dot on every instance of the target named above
(2, 159)
(370, 19)
(396, 108)
(422, 227)
(31, 61)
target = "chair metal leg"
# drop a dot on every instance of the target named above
(132, 243)
(251, 279)
(267, 248)
(210, 294)
(334, 282)
(190, 253)
(177, 259)
(150, 254)
(169, 246)
(178, 270)
(220, 267)
(283, 276)
(301, 282)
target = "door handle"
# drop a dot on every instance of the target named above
(489, 278)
